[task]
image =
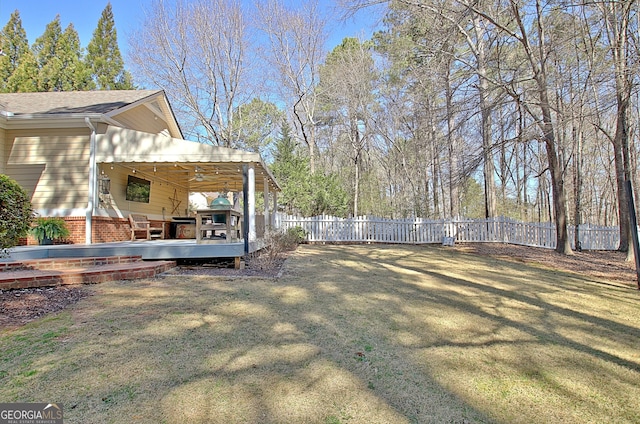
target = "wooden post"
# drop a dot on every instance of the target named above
(633, 223)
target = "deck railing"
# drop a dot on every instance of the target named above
(366, 229)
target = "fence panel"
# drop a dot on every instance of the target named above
(365, 229)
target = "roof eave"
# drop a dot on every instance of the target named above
(26, 121)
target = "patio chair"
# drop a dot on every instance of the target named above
(140, 225)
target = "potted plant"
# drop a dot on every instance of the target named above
(46, 230)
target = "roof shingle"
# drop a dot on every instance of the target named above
(70, 102)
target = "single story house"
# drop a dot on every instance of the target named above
(95, 157)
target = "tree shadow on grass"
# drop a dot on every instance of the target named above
(348, 334)
(490, 304)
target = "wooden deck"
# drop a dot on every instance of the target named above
(147, 249)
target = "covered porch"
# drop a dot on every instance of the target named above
(171, 169)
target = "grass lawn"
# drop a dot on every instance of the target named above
(348, 334)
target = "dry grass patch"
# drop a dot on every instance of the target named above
(349, 334)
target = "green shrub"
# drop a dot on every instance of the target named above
(295, 236)
(16, 213)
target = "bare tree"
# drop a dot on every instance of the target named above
(533, 43)
(196, 51)
(346, 90)
(616, 17)
(296, 50)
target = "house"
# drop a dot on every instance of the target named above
(95, 157)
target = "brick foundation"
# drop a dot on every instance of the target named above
(54, 272)
(104, 229)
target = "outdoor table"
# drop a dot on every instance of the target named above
(205, 224)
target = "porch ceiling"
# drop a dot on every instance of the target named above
(201, 176)
(194, 166)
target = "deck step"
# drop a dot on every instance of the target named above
(91, 270)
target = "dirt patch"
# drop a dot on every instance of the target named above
(18, 307)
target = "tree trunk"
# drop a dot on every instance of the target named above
(485, 113)
(538, 66)
(557, 182)
(621, 161)
(578, 186)
(454, 210)
(616, 18)
(355, 133)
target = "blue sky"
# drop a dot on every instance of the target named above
(128, 14)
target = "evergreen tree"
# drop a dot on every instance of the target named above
(44, 49)
(291, 169)
(25, 78)
(255, 125)
(14, 44)
(75, 75)
(302, 191)
(58, 56)
(104, 59)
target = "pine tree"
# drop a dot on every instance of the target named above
(44, 51)
(14, 44)
(25, 78)
(305, 192)
(104, 59)
(75, 75)
(291, 169)
(59, 60)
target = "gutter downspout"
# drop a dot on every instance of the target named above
(92, 182)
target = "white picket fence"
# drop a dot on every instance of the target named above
(367, 229)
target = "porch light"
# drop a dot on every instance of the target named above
(104, 184)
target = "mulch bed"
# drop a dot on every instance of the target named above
(20, 306)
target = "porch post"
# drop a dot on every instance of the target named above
(275, 209)
(251, 201)
(88, 225)
(245, 208)
(267, 211)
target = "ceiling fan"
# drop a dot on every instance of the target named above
(199, 175)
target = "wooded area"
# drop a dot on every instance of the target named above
(454, 108)
(520, 108)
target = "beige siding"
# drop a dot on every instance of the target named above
(141, 118)
(52, 165)
(161, 197)
(28, 176)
